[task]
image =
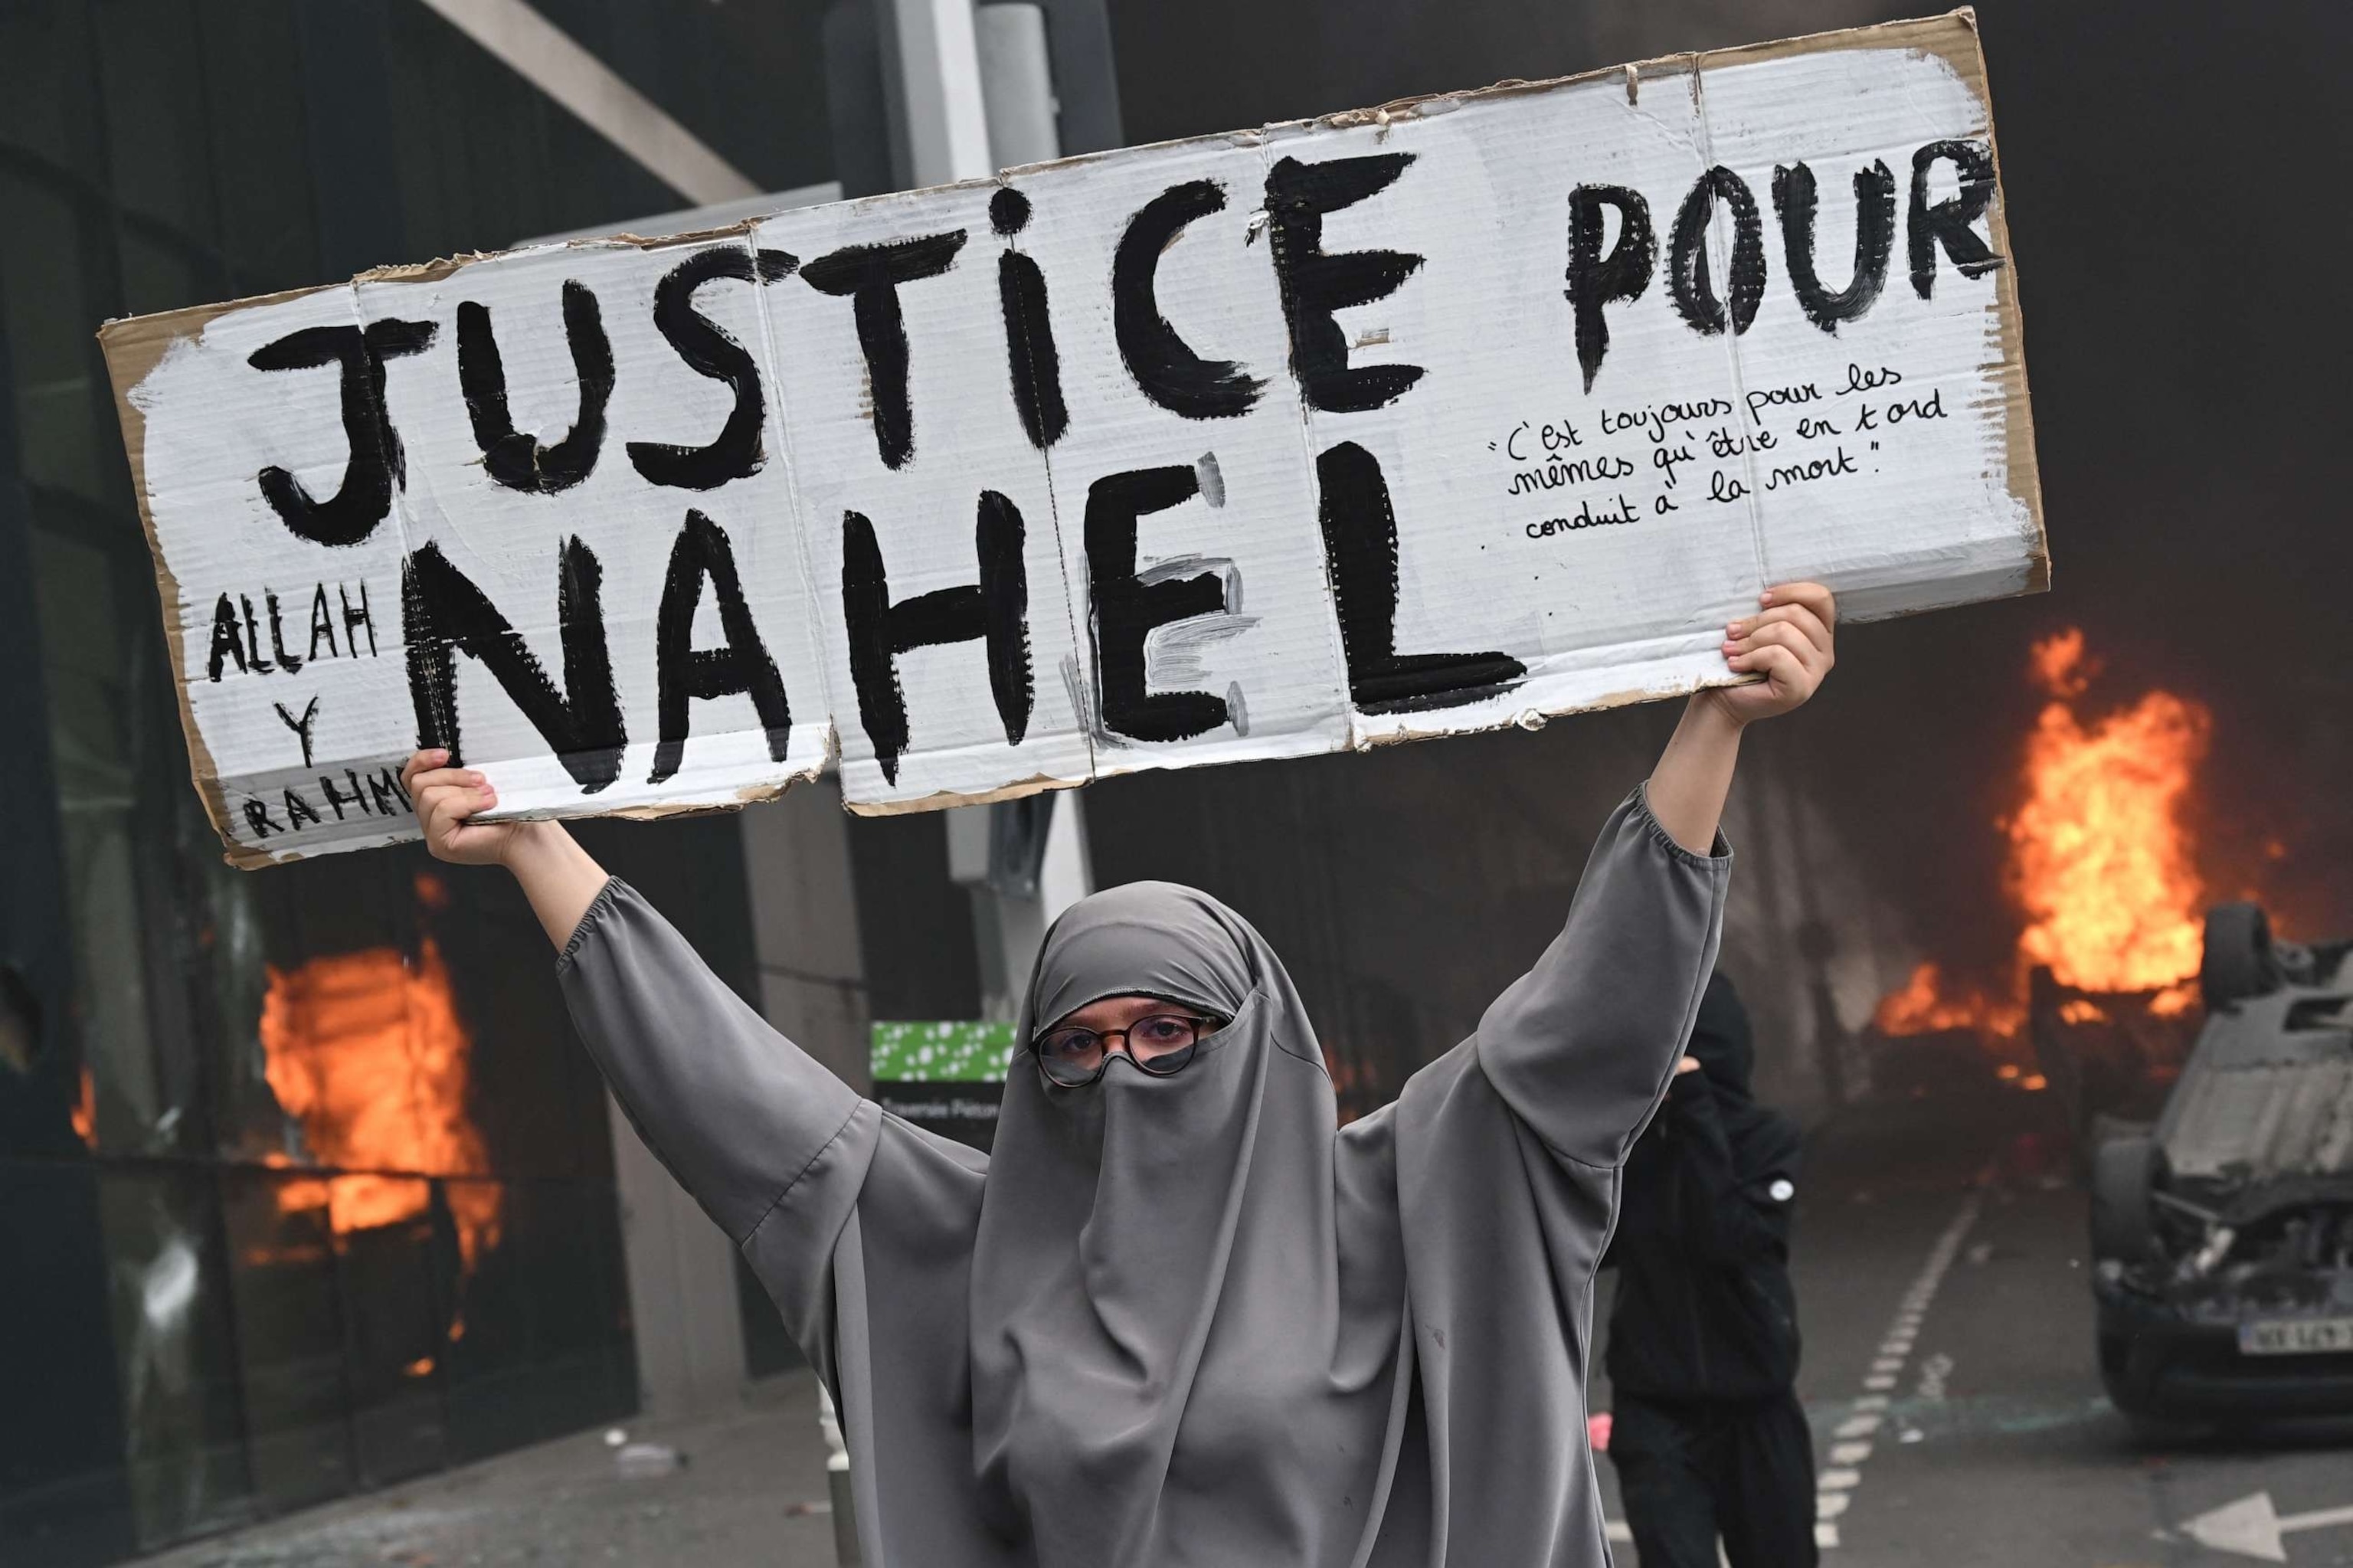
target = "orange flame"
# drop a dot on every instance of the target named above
(2100, 860)
(85, 1110)
(368, 1052)
(1925, 1006)
(2101, 863)
(2059, 665)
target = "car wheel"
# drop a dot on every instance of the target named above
(2123, 1225)
(2239, 961)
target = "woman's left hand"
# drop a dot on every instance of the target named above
(1788, 641)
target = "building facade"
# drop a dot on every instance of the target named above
(304, 1184)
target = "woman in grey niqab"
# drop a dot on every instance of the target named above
(1189, 1318)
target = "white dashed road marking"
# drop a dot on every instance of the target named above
(1835, 1487)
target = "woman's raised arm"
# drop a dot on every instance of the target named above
(1582, 1045)
(1788, 644)
(763, 1136)
(559, 878)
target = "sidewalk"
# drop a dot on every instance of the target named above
(750, 1495)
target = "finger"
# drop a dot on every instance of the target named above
(1789, 674)
(1773, 634)
(419, 761)
(1813, 596)
(1797, 615)
(1777, 665)
(1812, 634)
(442, 777)
(448, 805)
(433, 812)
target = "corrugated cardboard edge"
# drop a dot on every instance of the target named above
(750, 795)
(1534, 719)
(134, 346)
(2025, 467)
(940, 801)
(1953, 39)
(445, 267)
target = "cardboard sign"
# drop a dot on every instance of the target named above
(1457, 414)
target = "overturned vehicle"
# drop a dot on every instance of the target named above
(2223, 1234)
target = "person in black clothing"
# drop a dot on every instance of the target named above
(1707, 1434)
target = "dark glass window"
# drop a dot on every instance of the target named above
(315, 1177)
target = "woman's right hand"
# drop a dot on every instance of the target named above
(559, 878)
(446, 800)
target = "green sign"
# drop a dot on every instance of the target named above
(942, 1053)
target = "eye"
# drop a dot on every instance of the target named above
(1071, 1043)
(1165, 1031)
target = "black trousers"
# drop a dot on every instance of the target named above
(1689, 1473)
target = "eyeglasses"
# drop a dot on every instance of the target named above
(1163, 1045)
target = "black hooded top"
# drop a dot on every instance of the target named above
(1703, 1309)
(1192, 1319)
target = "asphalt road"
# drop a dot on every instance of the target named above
(1948, 1374)
(1939, 1262)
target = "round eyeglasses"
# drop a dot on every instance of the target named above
(1163, 1045)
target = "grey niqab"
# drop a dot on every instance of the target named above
(1163, 1366)
(1189, 1319)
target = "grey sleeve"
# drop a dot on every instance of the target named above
(735, 1111)
(1582, 1045)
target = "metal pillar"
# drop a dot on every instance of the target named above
(686, 1328)
(931, 81)
(1023, 862)
(1019, 81)
(1016, 76)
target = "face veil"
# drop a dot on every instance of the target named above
(1162, 1360)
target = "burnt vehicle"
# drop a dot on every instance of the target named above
(2223, 1234)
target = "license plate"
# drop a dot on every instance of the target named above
(2296, 1337)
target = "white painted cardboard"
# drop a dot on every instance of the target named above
(1555, 545)
(967, 440)
(1270, 655)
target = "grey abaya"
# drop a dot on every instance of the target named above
(1190, 1320)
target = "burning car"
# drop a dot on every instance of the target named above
(2223, 1233)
